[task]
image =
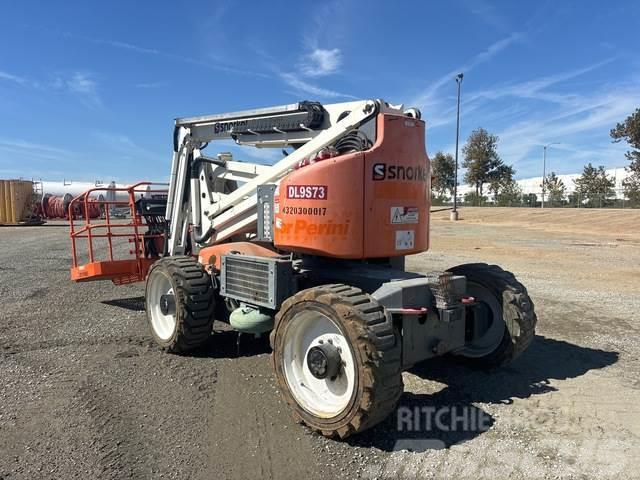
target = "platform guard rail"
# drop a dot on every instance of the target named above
(144, 230)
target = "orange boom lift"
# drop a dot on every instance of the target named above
(311, 249)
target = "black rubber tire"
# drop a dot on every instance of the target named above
(195, 302)
(376, 348)
(517, 311)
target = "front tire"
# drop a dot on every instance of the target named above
(179, 301)
(502, 323)
(337, 359)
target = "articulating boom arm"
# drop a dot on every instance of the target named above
(204, 191)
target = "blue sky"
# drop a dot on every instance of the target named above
(89, 90)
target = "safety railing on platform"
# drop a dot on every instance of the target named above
(134, 215)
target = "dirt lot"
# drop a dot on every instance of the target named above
(85, 394)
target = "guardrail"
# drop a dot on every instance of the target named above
(144, 229)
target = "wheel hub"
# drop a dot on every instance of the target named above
(324, 361)
(161, 304)
(168, 304)
(485, 324)
(319, 364)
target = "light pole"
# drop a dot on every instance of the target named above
(544, 167)
(454, 212)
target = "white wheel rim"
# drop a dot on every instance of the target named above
(163, 325)
(490, 339)
(325, 398)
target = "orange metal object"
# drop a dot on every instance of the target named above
(119, 271)
(211, 257)
(369, 204)
(330, 226)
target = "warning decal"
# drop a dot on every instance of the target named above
(400, 215)
(404, 239)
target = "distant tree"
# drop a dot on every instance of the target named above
(481, 159)
(501, 179)
(594, 187)
(574, 199)
(554, 189)
(443, 168)
(529, 200)
(631, 184)
(472, 198)
(510, 194)
(629, 130)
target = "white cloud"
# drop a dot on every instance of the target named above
(581, 126)
(125, 148)
(327, 21)
(127, 46)
(82, 85)
(535, 88)
(21, 150)
(438, 114)
(492, 51)
(430, 95)
(13, 78)
(321, 62)
(488, 13)
(528, 114)
(305, 87)
(218, 66)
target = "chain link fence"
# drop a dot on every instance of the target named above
(534, 200)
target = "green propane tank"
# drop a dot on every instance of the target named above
(250, 320)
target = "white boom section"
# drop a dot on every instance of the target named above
(217, 215)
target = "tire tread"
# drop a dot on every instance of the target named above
(382, 376)
(518, 309)
(195, 298)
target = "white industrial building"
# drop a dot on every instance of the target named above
(534, 184)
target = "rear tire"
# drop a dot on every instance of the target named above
(509, 304)
(189, 321)
(368, 382)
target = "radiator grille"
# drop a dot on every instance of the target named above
(260, 281)
(247, 279)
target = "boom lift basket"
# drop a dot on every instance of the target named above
(131, 230)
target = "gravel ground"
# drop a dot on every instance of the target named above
(85, 394)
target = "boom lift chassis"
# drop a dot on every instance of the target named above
(311, 249)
